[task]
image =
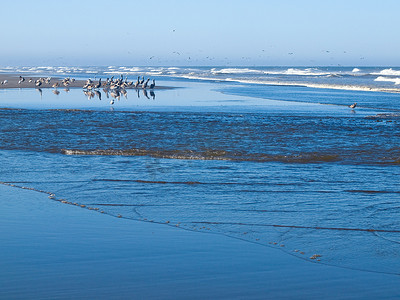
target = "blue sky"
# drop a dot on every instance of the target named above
(217, 32)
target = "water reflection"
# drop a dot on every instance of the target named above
(115, 94)
(40, 92)
(98, 94)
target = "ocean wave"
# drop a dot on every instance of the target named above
(289, 71)
(210, 155)
(236, 71)
(317, 85)
(382, 78)
(387, 72)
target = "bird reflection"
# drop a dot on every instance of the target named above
(98, 94)
(124, 93)
(89, 94)
(145, 94)
(152, 95)
(115, 94)
(66, 90)
(40, 92)
(56, 92)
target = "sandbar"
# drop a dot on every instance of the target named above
(29, 82)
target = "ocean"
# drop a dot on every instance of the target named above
(267, 155)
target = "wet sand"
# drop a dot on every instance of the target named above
(13, 79)
(56, 251)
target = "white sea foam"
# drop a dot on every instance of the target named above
(318, 85)
(306, 72)
(388, 72)
(355, 70)
(391, 79)
(236, 71)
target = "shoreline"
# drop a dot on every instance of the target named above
(13, 79)
(63, 251)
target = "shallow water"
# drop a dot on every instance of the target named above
(315, 180)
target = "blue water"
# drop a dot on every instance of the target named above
(287, 167)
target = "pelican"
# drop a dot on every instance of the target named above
(153, 84)
(137, 82)
(38, 83)
(145, 84)
(141, 81)
(97, 85)
(353, 105)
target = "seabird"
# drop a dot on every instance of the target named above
(353, 105)
(145, 84)
(137, 82)
(153, 84)
(98, 85)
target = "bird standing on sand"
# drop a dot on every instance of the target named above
(21, 79)
(145, 84)
(137, 82)
(353, 105)
(98, 85)
(38, 83)
(153, 84)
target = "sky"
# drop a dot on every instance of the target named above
(200, 33)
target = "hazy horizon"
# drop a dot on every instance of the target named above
(207, 33)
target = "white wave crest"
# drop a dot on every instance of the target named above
(395, 80)
(355, 70)
(388, 72)
(236, 71)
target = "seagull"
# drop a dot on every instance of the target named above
(353, 105)
(21, 79)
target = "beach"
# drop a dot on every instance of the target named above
(54, 251)
(210, 189)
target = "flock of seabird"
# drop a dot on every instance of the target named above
(116, 87)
